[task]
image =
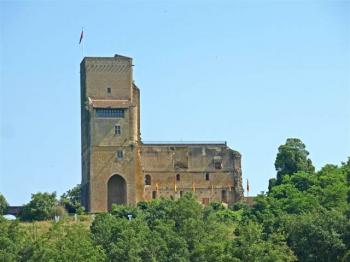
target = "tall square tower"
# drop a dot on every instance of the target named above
(110, 131)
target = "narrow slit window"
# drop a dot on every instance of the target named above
(109, 90)
(117, 130)
(207, 176)
(178, 177)
(120, 154)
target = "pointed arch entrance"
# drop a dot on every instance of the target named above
(116, 191)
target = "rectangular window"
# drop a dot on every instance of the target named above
(207, 176)
(154, 194)
(109, 90)
(110, 112)
(117, 130)
(120, 154)
(218, 165)
(218, 162)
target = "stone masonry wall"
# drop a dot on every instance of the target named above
(177, 169)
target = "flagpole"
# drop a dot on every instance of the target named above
(82, 43)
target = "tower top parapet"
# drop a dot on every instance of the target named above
(107, 77)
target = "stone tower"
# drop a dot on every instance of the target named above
(110, 129)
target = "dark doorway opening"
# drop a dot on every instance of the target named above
(224, 196)
(116, 191)
(154, 194)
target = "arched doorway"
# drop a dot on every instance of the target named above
(116, 191)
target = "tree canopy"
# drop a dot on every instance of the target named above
(71, 200)
(41, 207)
(292, 157)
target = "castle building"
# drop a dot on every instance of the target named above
(117, 167)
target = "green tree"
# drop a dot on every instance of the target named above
(157, 210)
(71, 200)
(13, 241)
(133, 240)
(122, 211)
(65, 243)
(292, 157)
(40, 207)
(250, 244)
(3, 204)
(186, 208)
(311, 210)
(176, 249)
(346, 169)
(317, 236)
(291, 200)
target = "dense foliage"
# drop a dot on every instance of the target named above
(182, 230)
(3, 204)
(292, 157)
(71, 200)
(63, 242)
(312, 211)
(41, 207)
(303, 217)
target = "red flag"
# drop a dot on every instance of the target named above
(247, 185)
(81, 36)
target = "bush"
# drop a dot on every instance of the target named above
(13, 240)
(71, 200)
(60, 211)
(84, 218)
(80, 211)
(41, 207)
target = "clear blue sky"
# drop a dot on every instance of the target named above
(252, 73)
